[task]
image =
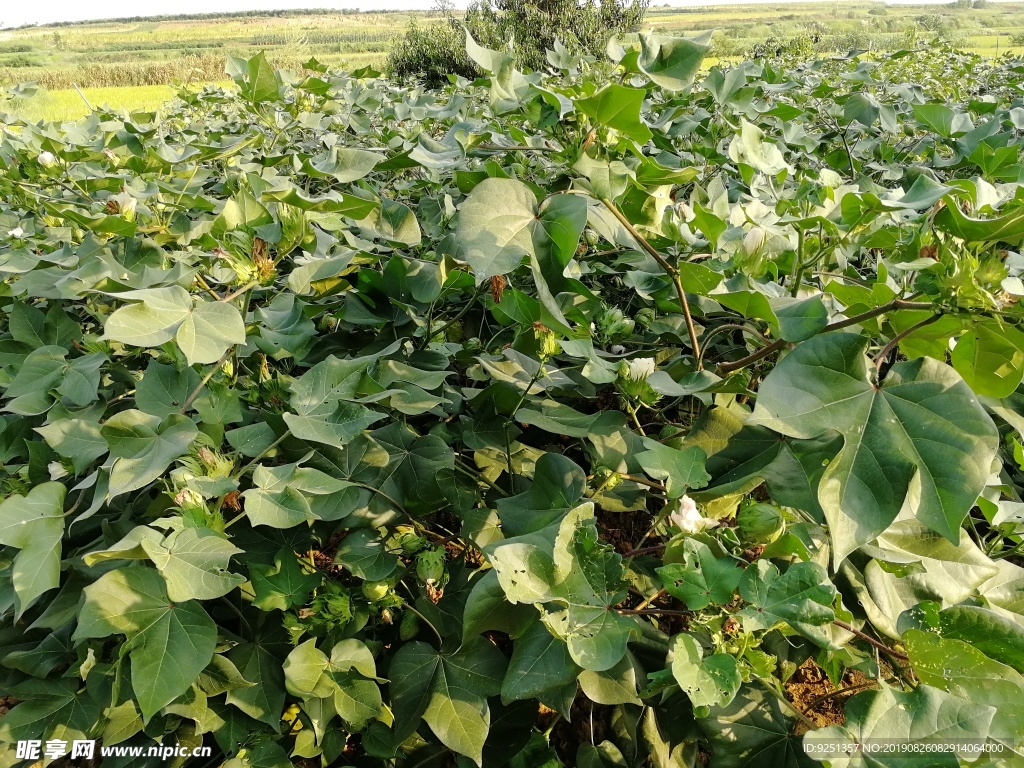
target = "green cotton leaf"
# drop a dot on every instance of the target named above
(34, 525)
(283, 585)
(800, 319)
(351, 206)
(558, 486)
(394, 222)
(920, 715)
(861, 108)
(209, 331)
(448, 691)
(617, 685)
(541, 663)
(671, 62)
(680, 468)
(153, 320)
(577, 578)
(608, 178)
(164, 389)
(990, 357)
(741, 456)
(169, 643)
(500, 67)
(920, 442)
(289, 495)
(496, 227)
(709, 682)
(343, 163)
(487, 609)
(75, 439)
(801, 596)
(347, 678)
(961, 669)
(363, 554)
(143, 446)
(618, 106)
(257, 80)
(1007, 227)
(418, 469)
(701, 579)
(317, 397)
(40, 372)
(194, 563)
(990, 632)
(755, 730)
(48, 708)
(203, 332)
(749, 148)
(259, 661)
(30, 326)
(942, 119)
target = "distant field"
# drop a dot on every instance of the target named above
(133, 64)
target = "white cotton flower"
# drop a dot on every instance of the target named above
(641, 368)
(47, 159)
(125, 204)
(17, 233)
(689, 519)
(754, 241)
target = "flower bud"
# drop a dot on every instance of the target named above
(547, 346)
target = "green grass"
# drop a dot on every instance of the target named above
(69, 105)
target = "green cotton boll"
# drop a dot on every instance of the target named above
(760, 524)
(375, 590)
(430, 565)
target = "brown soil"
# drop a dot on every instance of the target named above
(809, 683)
(590, 723)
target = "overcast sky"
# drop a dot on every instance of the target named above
(17, 12)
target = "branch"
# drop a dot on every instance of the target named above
(880, 360)
(871, 641)
(778, 344)
(667, 268)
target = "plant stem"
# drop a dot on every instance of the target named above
(469, 305)
(652, 550)
(650, 612)
(205, 380)
(240, 291)
(880, 360)
(667, 268)
(287, 433)
(871, 641)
